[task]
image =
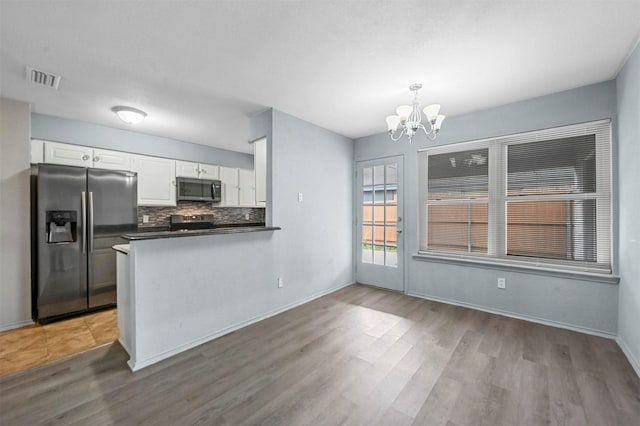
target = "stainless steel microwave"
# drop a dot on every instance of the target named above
(199, 190)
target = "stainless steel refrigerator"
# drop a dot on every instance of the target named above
(77, 215)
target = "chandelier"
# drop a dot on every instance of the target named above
(409, 119)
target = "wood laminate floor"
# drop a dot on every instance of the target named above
(357, 356)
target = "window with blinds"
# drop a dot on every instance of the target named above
(540, 197)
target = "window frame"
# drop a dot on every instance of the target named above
(498, 199)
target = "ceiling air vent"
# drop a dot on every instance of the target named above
(43, 78)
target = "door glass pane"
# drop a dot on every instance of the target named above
(391, 246)
(367, 244)
(378, 245)
(367, 176)
(378, 175)
(367, 215)
(392, 174)
(391, 214)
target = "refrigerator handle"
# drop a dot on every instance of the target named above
(90, 224)
(83, 205)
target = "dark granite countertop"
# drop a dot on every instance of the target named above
(231, 229)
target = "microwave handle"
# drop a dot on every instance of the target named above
(213, 191)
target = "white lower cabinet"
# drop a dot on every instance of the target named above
(156, 180)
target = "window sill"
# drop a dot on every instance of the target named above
(530, 269)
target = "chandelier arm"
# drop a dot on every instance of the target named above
(396, 139)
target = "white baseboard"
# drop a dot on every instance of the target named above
(509, 314)
(136, 365)
(16, 325)
(635, 363)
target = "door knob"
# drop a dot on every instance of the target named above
(399, 231)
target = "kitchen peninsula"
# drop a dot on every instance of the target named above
(179, 289)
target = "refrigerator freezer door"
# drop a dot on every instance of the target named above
(62, 267)
(112, 203)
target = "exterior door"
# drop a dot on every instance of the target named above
(380, 245)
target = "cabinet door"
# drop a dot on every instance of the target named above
(209, 171)
(68, 155)
(229, 179)
(156, 180)
(186, 169)
(260, 166)
(112, 160)
(247, 190)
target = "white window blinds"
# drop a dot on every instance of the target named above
(541, 197)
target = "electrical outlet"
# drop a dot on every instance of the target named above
(246, 216)
(502, 283)
(300, 198)
(280, 283)
(145, 218)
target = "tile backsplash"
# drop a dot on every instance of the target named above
(159, 216)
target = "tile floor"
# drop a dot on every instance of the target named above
(34, 345)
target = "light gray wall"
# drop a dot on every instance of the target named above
(15, 275)
(574, 303)
(313, 250)
(87, 134)
(628, 85)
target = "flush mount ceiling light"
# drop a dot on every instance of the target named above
(409, 119)
(129, 115)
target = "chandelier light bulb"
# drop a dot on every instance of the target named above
(392, 122)
(404, 111)
(431, 112)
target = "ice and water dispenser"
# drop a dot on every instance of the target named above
(61, 226)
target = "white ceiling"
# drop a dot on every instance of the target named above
(199, 69)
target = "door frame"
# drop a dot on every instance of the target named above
(356, 214)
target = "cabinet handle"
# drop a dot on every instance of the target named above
(204, 172)
(173, 182)
(96, 158)
(85, 157)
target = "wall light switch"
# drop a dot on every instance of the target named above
(300, 198)
(145, 218)
(502, 283)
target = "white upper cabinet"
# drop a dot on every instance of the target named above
(76, 155)
(156, 180)
(37, 151)
(113, 160)
(209, 171)
(68, 155)
(196, 170)
(186, 169)
(247, 188)
(260, 167)
(229, 179)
